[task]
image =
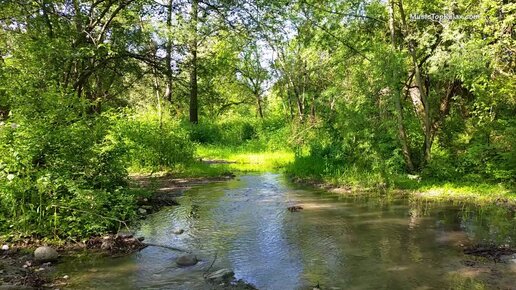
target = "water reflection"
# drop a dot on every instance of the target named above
(341, 243)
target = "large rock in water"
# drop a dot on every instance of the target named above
(186, 260)
(45, 254)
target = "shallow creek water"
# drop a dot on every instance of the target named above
(335, 241)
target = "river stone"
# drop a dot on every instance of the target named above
(187, 260)
(178, 231)
(45, 254)
(222, 275)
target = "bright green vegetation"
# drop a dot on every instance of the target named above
(245, 159)
(352, 93)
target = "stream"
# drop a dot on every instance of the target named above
(336, 241)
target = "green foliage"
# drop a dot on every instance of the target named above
(363, 103)
(151, 144)
(61, 174)
(262, 134)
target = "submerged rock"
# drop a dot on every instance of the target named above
(45, 254)
(178, 231)
(294, 208)
(187, 260)
(221, 276)
(224, 279)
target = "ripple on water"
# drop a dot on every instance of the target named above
(336, 241)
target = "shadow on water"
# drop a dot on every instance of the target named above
(339, 242)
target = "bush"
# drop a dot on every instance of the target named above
(151, 146)
(266, 134)
(204, 133)
(61, 173)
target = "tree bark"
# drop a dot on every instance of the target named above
(168, 57)
(405, 147)
(427, 124)
(194, 111)
(259, 104)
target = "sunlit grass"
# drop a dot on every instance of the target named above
(478, 193)
(245, 159)
(317, 171)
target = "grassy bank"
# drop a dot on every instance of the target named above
(352, 180)
(217, 160)
(245, 158)
(479, 193)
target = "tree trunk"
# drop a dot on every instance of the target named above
(427, 145)
(405, 147)
(194, 118)
(259, 104)
(168, 57)
(312, 108)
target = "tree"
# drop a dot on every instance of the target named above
(253, 75)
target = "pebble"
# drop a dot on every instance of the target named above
(66, 277)
(5, 248)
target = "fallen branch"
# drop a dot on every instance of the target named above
(211, 265)
(166, 247)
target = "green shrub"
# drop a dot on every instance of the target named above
(61, 173)
(203, 133)
(257, 134)
(151, 145)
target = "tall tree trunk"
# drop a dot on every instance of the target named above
(300, 108)
(405, 147)
(158, 97)
(259, 104)
(312, 108)
(168, 57)
(194, 111)
(427, 145)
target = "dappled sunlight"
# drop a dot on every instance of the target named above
(242, 159)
